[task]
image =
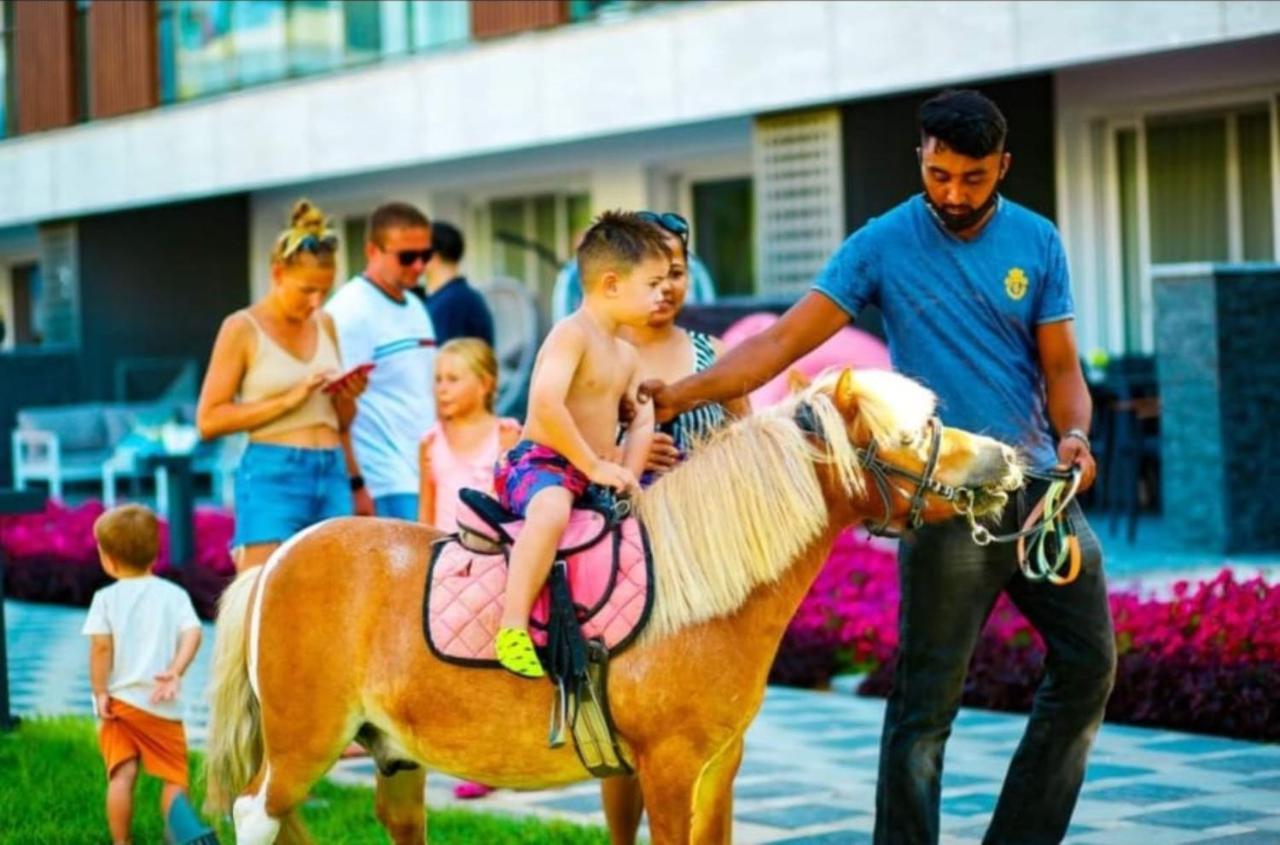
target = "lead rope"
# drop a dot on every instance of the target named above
(1055, 549)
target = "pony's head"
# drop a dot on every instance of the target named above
(759, 493)
(895, 463)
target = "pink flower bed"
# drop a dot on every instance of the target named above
(51, 556)
(1207, 659)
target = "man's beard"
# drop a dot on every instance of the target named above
(960, 222)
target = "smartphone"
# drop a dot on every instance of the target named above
(333, 386)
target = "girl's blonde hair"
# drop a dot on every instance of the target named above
(480, 359)
(308, 233)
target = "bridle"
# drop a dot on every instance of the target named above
(881, 472)
(1053, 539)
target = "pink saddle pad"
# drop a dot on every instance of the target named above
(611, 581)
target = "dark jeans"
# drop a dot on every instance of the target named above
(949, 586)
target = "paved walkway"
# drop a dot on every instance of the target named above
(809, 772)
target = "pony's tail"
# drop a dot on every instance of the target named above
(235, 723)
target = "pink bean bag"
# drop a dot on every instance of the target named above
(848, 347)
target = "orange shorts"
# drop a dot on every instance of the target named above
(161, 743)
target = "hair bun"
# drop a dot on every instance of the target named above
(307, 217)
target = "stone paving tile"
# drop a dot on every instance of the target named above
(835, 837)
(809, 773)
(1200, 817)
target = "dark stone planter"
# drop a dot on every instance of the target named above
(1218, 363)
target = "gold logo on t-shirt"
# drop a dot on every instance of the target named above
(1015, 284)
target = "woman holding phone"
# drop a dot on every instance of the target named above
(276, 373)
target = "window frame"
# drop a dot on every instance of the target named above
(1136, 118)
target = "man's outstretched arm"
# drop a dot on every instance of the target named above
(754, 361)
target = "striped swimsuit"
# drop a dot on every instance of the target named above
(698, 423)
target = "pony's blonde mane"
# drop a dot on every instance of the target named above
(749, 501)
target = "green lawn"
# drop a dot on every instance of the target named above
(52, 788)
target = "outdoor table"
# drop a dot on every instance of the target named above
(180, 511)
(11, 501)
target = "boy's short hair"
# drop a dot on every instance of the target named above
(618, 241)
(130, 534)
(394, 215)
(447, 241)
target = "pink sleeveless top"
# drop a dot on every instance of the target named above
(451, 472)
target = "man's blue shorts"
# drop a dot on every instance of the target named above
(281, 490)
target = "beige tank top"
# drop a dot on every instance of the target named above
(274, 370)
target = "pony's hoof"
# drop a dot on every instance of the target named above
(253, 825)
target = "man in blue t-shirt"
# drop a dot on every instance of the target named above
(457, 309)
(977, 305)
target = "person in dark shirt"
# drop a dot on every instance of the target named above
(457, 309)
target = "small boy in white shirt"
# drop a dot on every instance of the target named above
(144, 634)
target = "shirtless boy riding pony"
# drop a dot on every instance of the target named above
(582, 372)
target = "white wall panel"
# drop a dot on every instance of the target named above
(673, 66)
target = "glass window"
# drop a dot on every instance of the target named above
(437, 23)
(167, 48)
(353, 245)
(1253, 133)
(6, 68)
(203, 60)
(363, 27)
(259, 42)
(317, 36)
(724, 233)
(1187, 189)
(577, 217)
(1130, 249)
(81, 48)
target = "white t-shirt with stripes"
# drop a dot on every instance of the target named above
(398, 405)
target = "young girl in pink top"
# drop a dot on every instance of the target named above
(461, 449)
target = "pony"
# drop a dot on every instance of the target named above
(323, 644)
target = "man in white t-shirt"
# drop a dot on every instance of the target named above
(379, 322)
(143, 633)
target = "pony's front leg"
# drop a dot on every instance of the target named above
(400, 804)
(713, 809)
(623, 806)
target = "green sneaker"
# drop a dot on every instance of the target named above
(515, 652)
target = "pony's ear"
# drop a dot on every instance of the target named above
(797, 380)
(846, 394)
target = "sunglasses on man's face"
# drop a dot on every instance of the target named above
(407, 257)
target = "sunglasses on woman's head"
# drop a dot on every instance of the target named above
(313, 244)
(670, 221)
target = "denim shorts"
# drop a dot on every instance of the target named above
(281, 490)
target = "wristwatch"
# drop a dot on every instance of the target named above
(357, 483)
(1079, 434)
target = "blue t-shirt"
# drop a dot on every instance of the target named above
(458, 310)
(961, 316)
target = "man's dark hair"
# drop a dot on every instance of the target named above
(965, 121)
(447, 241)
(394, 215)
(618, 241)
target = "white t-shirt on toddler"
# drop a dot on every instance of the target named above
(145, 617)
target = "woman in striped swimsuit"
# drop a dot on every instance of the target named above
(668, 351)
